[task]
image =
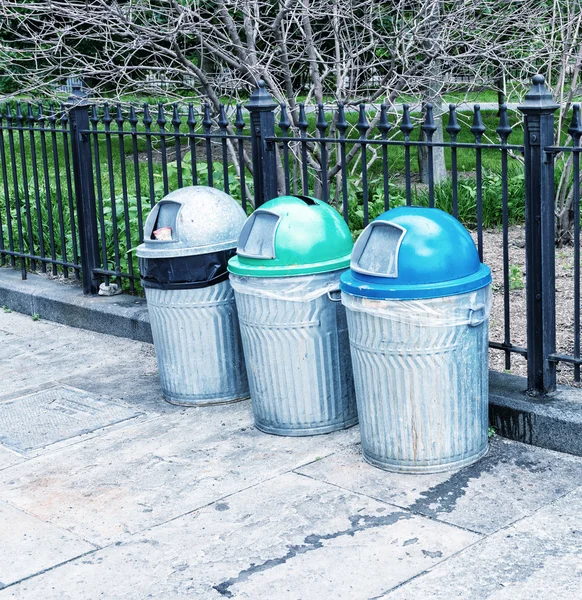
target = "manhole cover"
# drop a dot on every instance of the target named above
(43, 418)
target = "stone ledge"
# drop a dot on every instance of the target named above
(123, 316)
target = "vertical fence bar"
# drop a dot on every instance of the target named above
(136, 172)
(64, 122)
(58, 189)
(223, 125)
(322, 126)
(16, 190)
(503, 131)
(47, 186)
(239, 123)
(147, 123)
(575, 130)
(107, 120)
(429, 127)
(453, 129)
(262, 109)
(302, 124)
(22, 150)
(124, 195)
(85, 191)
(161, 121)
(538, 109)
(478, 129)
(362, 126)
(207, 127)
(6, 193)
(94, 119)
(176, 122)
(34, 166)
(284, 125)
(407, 127)
(342, 126)
(384, 127)
(191, 121)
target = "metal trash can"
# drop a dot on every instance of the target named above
(418, 303)
(188, 238)
(290, 255)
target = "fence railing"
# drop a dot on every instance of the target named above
(78, 182)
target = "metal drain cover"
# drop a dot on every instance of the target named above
(60, 413)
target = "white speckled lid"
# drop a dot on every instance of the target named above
(202, 220)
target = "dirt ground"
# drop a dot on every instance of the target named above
(493, 256)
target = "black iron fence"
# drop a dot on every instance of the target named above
(78, 182)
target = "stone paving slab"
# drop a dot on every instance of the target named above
(8, 458)
(29, 545)
(144, 474)
(510, 482)
(537, 558)
(326, 543)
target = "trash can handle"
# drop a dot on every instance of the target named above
(477, 315)
(334, 298)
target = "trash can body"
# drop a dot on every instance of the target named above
(295, 340)
(418, 301)
(198, 345)
(290, 255)
(190, 301)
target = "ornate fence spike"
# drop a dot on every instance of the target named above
(406, 125)
(147, 118)
(341, 123)
(362, 125)
(284, 122)
(106, 116)
(119, 116)
(478, 127)
(191, 120)
(453, 128)
(19, 117)
(161, 120)
(384, 125)
(176, 121)
(207, 120)
(504, 129)
(133, 118)
(222, 120)
(575, 128)
(239, 121)
(29, 114)
(321, 123)
(302, 122)
(8, 113)
(429, 126)
(52, 118)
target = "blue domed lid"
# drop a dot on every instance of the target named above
(413, 252)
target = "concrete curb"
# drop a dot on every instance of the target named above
(554, 422)
(123, 316)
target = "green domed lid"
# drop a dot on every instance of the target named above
(292, 235)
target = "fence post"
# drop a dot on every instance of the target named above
(84, 189)
(261, 107)
(538, 109)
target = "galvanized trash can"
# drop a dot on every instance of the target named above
(290, 255)
(188, 238)
(418, 303)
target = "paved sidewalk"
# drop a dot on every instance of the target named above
(108, 492)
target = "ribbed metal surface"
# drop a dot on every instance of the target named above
(422, 392)
(299, 365)
(198, 347)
